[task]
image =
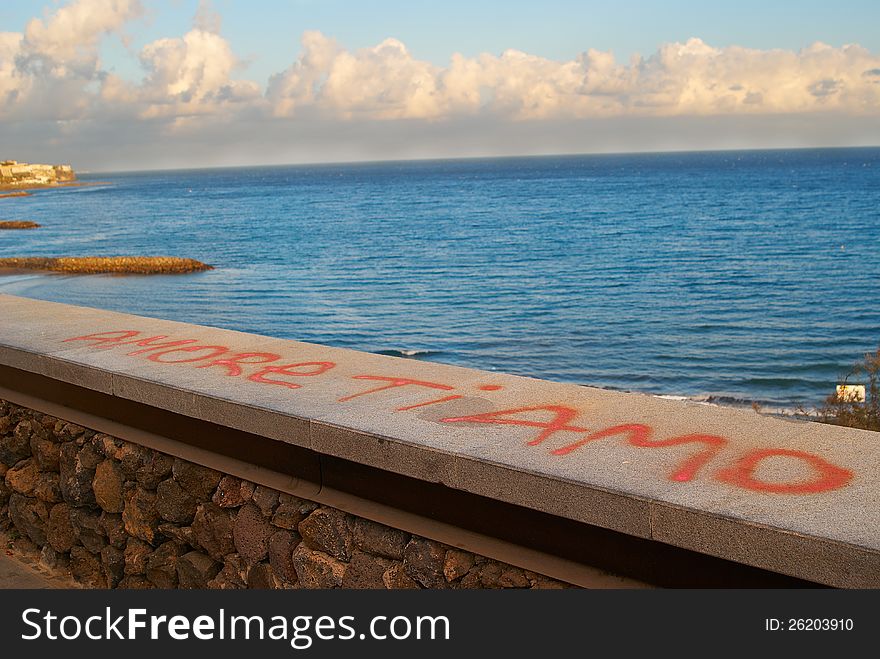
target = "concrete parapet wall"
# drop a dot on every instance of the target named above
(785, 497)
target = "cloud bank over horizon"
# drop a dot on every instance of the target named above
(194, 86)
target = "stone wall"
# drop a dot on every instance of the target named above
(118, 515)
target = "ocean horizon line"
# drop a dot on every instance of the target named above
(481, 158)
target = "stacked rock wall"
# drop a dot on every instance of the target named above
(119, 515)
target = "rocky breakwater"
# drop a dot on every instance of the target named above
(14, 174)
(118, 515)
(92, 265)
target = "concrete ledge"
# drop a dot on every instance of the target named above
(796, 498)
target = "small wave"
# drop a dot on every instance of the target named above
(764, 406)
(718, 399)
(409, 354)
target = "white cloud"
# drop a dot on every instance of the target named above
(191, 76)
(692, 78)
(66, 42)
(13, 85)
(53, 70)
(51, 73)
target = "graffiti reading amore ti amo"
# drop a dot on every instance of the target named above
(549, 422)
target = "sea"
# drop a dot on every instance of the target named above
(725, 277)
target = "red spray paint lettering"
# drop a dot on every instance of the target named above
(393, 382)
(826, 475)
(233, 363)
(560, 422)
(640, 435)
(214, 352)
(312, 369)
(551, 419)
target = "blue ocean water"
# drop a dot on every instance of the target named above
(735, 276)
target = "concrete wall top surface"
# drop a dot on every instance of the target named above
(789, 496)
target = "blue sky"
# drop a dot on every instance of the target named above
(175, 83)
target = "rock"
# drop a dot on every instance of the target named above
(16, 446)
(162, 565)
(134, 582)
(90, 456)
(232, 492)
(140, 515)
(423, 560)
(231, 576)
(366, 571)
(22, 478)
(26, 548)
(315, 569)
(86, 568)
(181, 534)
(212, 531)
(513, 577)
(137, 552)
(260, 577)
(396, 578)
(175, 504)
(375, 538)
(131, 458)
(113, 565)
(266, 499)
(54, 560)
(48, 423)
(251, 533)
(89, 529)
(108, 486)
(30, 516)
(61, 534)
(76, 475)
(199, 481)
(156, 468)
(291, 511)
(328, 530)
(540, 582)
(457, 564)
(471, 581)
(5, 491)
(48, 488)
(281, 546)
(68, 432)
(114, 529)
(108, 445)
(500, 575)
(46, 452)
(195, 570)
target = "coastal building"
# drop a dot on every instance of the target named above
(22, 174)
